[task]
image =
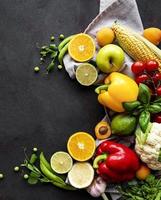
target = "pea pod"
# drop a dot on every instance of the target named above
(62, 53)
(154, 108)
(144, 120)
(63, 186)
(64, 42)
(130, 106)
(45, 162)
(144, 94)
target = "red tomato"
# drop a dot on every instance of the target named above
(157, 118)
(151, 65)
(158, 90)
(137, 67)
(156, 77)
(141, 78)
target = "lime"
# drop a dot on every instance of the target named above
(81, 175)
(123, 124)
(61, 162)
(86, 74)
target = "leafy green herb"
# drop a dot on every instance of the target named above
(150, 189)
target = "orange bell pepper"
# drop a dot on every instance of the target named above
(118, 88)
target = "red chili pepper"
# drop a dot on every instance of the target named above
(116, 162)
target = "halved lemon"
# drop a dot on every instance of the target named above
(82, 47)
(61, 162)
(81, 146)
(86, 74)
(81, 175)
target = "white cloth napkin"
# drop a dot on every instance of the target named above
(125, 12)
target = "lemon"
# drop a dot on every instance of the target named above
(86, 74)
(81, 175)
(61, 162)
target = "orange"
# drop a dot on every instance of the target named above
(105, 36)
(82, 47)
(153, 35)
(143, 172)
(81, 146)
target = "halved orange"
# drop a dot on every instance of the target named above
(81, 146)
(82, 47)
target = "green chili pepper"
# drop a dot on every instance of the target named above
(144, 94)
(49, 174)
(64, 42)
(154, 108)
(144, 120)
(130, 106)
(62, 53)
(45, 162)
(63, 186)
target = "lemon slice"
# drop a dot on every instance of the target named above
(81, 175)
(61, 162)
(86, 74)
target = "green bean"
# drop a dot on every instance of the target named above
(45, 162)
(62, 53)
(64, 42)
(63, 186)
(49, 174)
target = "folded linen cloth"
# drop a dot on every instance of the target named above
(125, 12)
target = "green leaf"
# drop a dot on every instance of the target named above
(33, 158)
(144, 120)
(154, 108)
(144, 94)
(44, 180)
(158, 100)
(130, 106)
(35, 174)
(50, 67)
(30, 167)
(32, 180)
(54, 54)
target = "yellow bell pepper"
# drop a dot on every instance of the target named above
(118, 88)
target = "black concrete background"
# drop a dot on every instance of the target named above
(39, 110)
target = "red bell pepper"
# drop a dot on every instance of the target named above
(116, 162)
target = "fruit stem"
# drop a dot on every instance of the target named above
(103, 195)
(100, 88)
(98, 159)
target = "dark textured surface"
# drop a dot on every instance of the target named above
(39, 110)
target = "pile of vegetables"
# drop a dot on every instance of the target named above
(128, 151)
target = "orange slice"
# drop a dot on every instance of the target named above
(82, 47)
(81, 146)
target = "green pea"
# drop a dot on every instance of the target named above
(36, 69)
(35, 149)
(61, 37)
(52, 38)
(60, 66)
(16, 168)
(41, 59)
(1, 176)
(26, 176)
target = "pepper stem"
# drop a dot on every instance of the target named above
(103, 195)
(98, 159)
(102, 87)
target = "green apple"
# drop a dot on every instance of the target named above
(110, 58)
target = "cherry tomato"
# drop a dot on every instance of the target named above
(157, 118)
(151, 65)
(156, 77)
(158, 90)
(137, 67)
(141, 78)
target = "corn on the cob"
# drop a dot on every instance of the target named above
(135, 45)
